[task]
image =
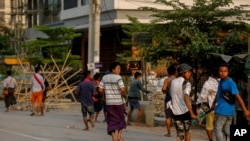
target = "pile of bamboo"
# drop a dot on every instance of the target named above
(158, 99)
(59, 89)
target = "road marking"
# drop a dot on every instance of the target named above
(24, 135)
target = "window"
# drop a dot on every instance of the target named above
(1, 17)
(69, 4)
(2, 4)
(84, 2)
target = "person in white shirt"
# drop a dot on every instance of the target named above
(37, 92)
(10, 84)
(208, 94)
(180, 90)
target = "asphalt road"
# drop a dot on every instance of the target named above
(67, 125)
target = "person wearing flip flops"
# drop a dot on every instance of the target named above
(172, 73)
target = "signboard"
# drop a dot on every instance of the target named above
(91, 66)
(98, 65)
(135, 65)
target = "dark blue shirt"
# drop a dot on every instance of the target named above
(86, 90)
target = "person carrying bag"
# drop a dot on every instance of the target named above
(9, 89)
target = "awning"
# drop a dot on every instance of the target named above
(227, 58)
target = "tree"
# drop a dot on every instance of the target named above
(5, 39)
(57, 44)
(192, 33)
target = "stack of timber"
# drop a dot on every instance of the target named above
(59, 95)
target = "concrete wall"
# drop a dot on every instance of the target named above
(116, 11)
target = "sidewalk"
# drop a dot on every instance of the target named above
(67, 125)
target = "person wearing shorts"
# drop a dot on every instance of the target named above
(37, 92)
(166, 90)
(208, 95)
(180, 90)
(134, 96)
(86, 90)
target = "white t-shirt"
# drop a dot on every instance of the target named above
(177, 91)
(160, 84)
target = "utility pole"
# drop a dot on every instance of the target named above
(94, 33)
(248, 90)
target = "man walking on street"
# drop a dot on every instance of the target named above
(113, 87)
(86, 90)
(224, 111)
(166, 90)
(180, 90)
(37, 92)
(208, 95)
(10, 84)
(134, 96)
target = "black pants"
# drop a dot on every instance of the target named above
(10, 99)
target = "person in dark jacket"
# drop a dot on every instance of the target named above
(134, 96)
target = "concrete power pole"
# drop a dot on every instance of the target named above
(94, 33)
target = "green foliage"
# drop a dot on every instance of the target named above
(57, 43)
(5, 40)
(192, 32)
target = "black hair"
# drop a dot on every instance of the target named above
(224, 65)
(86, 74)
(214, 73)
(137, 74)
(8, 72)
(113, 66)
(171, 70)
(96, 76)
(37, 69)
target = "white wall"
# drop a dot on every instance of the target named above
(124, 5)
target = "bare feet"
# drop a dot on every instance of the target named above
(128, 124)
(86, 129)
(92, 123)
(137, 124)
(167, 135)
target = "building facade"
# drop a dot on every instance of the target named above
(75, 13)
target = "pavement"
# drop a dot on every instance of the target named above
(66, 125)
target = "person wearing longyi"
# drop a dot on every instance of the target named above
(10, 84)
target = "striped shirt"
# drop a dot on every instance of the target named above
(112, 84)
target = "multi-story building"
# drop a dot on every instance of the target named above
(75, 13)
